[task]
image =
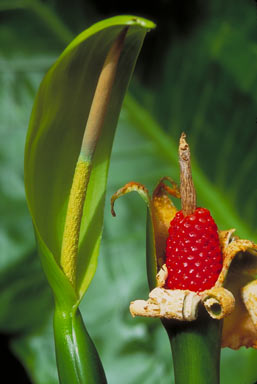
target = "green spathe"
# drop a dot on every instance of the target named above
(55, 134)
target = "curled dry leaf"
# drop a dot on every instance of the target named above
(183, 305)
(219, 302)
(238, 275)
(231, 246)
(168, 304)
(249, 294)
(163, 211)
(162, 276)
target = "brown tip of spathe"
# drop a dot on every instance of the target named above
(187, 189)
(184, 150)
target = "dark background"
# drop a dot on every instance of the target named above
(196, 73)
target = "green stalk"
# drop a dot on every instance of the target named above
(196, 349)
(77, 358)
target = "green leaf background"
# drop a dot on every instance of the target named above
(197, 73)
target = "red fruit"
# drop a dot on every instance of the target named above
(193, 254)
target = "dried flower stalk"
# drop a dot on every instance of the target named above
(187, 189)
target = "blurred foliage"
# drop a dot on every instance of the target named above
(197, 73)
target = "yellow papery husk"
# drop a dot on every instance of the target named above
(163, 211)
(238, 276)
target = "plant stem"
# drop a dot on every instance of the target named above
(196, 349)
(77, 359)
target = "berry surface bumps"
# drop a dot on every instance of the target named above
(193, 254)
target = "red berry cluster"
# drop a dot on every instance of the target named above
(193, 254)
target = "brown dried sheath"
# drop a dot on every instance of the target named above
(187, 189)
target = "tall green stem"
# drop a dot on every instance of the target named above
(196, 350)
(77, 359)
